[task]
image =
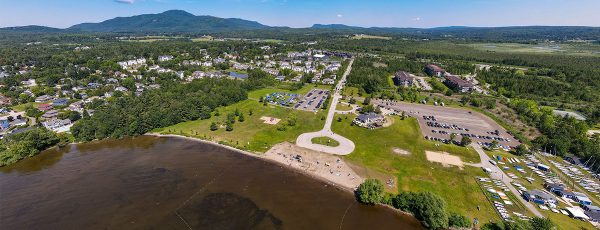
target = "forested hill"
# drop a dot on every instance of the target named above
(173, 21)
(182, 22)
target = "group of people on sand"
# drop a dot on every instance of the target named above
(290, 158)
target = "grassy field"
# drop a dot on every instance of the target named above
(366, 36)
(343, 107)
(22, 107)
(252, 134)
(325, 141)
(374, 150)
(586, 49)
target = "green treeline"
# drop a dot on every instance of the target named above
(26, 144)
(430, 209)
(175, 103)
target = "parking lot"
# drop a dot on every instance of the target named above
(313, 100)
(438, 123)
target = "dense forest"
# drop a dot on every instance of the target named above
(132, 116)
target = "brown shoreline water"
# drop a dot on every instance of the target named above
(172, 183)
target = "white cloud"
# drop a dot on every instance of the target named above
(417, 19)
(125, 1)
(340, 16)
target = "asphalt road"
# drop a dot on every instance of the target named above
(346, 146)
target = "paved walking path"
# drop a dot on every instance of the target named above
(498, 174)
(346, 146)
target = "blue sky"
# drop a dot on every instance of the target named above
(304, 13)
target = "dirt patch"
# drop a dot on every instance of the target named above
(323, 165)
(400, 151)
(388, 122)
(444, 158)
(270, 120)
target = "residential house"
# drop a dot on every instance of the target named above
(58, 125)
(93, 85)
(280, 78)
(165, 58)
(5, 100)
(44, 107)
(60, 102)
(50, 114)
(458, 84)
(434, 70)
(328, 81)
(369, 120)
(235, 75)
(29, 83)
(43, 98)
(76, 106)
(404, 79)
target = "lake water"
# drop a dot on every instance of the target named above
(172, 183)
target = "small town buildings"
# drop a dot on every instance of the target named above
(539, 197)
(132, 64)
(164, 58)
(121, 89)
(404, 79)
(93, 85)
(43, 98)
(280, 78)
(458, 84)
(434, 70)
(369, 120)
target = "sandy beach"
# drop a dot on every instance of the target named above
(325, 167)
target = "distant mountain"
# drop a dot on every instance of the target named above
(179, 21)
(37, 29)
(334, 26)
(173, 21)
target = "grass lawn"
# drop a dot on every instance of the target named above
(365, 36)
(390, 81)
(22, 107)
(252, 134)
(374, 150)
(343, 107)
(351, 91)
(325, 141)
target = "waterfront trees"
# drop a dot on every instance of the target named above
(370, 191)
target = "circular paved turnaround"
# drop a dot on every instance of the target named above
(346, 146)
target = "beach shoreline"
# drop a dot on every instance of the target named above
(270, 157)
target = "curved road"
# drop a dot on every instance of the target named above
(346, 146)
